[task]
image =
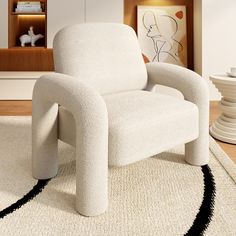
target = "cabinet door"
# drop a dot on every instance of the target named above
(63, 13)
(104, 11)
(3, 23)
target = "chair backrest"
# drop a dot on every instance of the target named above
(107, 56)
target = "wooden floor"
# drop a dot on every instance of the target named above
(15, 108)
(22, 108)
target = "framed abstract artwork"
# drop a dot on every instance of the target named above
(162, 33)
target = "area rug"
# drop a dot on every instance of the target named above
(161, 195)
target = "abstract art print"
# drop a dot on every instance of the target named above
(162, 33)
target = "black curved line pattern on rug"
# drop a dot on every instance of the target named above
(200, 224)
(26, 198)
(204, 216)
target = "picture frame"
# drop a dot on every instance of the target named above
(130, 18)
(162, 33)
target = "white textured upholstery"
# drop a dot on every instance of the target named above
(90, 114)
(107, 57)
(139, 125)
(195, 89)
(105, 114)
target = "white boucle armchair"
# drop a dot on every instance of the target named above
(101, 102)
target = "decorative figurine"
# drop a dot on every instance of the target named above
(30, 37)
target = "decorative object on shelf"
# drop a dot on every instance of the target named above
(224, 128)
(43, 6)
(162, 33)
(25, 7)
(30, 37)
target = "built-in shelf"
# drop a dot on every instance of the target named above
(28, 13)
(25, 75)
(28, 47)
(20, 22)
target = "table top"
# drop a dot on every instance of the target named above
(224, 79)
(5, 75)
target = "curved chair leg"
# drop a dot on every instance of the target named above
(90, 113)
(91, 157)
(197, 151)
(44, 140)
(91, 170)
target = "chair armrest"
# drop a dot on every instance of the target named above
(91, 120)
(87, 107)
(190, 84)
(195, 89)
(70, 92)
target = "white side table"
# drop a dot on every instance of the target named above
(224, 128)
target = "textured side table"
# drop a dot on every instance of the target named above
(224, 128)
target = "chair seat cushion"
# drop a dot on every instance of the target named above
(141, 124)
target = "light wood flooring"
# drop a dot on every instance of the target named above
(22, 108)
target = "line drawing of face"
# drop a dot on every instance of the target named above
(153, 31)
(164, 41)
(151, 25)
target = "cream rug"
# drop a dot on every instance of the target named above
(161, 195)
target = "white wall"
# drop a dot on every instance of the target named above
(104, 11)
(63, 13)
(218, 39)
(3, 23)
(198, 36)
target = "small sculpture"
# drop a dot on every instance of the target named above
(30, 37)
